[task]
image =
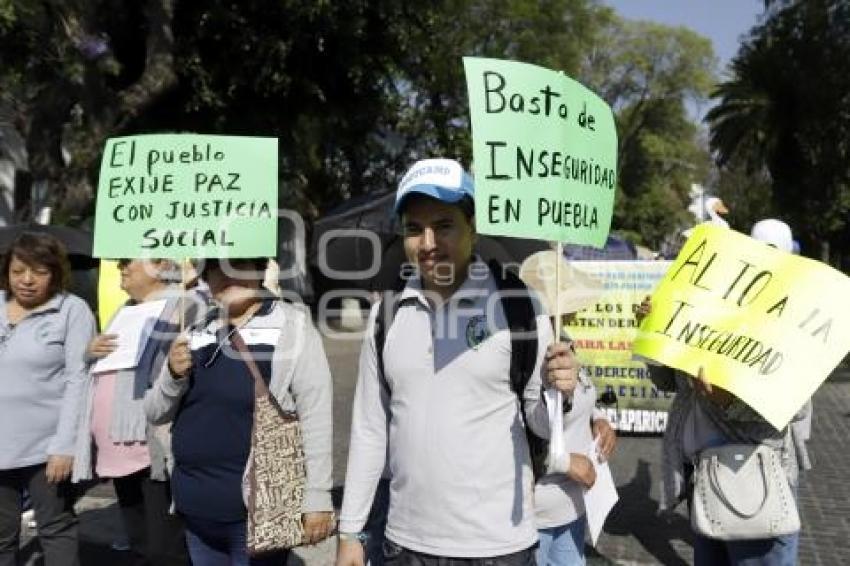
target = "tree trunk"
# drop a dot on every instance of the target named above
(79, 118)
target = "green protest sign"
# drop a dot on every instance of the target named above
(185, 195)
(545, 152)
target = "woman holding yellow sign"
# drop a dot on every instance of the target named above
(712, 441)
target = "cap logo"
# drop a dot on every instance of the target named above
(443, 173)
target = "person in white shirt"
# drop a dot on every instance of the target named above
(558, 495)
(443, 410)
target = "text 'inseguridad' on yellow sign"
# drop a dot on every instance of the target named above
(764, 324)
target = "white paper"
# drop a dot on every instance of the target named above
(133, 326)
(267, 336)
(198, 340)
(555, 407)
(599, 499)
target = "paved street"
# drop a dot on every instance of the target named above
(633, 534)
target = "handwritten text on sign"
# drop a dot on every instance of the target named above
(765, 325)
(177, 195)
(545, 152)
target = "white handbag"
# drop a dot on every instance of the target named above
(741, 493)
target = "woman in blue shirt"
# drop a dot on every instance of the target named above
(44, 332)
(207, 391)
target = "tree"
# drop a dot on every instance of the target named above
(786, 109)
(748, 193)
(312, 73)
(432, 87)
(649, 73)
(353, 90)
(71, 87)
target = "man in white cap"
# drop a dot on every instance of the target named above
(778, 234)
(437, 399)
(774, 233)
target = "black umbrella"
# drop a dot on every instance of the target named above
(78, 242)
(350, 239)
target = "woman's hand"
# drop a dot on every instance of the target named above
(582, 470)
(606, 438)
(102, 345)
(643, 309)
(58, 468)
(317, 526)
(180, 358)
(713, 393)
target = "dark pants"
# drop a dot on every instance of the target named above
(54, 512)
(154, 533)
(377, 523)
(215, 543)
(394, 555)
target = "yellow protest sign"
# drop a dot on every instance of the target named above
(110, 297)
(603, 334)
(766, 325)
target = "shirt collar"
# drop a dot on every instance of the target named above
(267, 304)
(54, 303)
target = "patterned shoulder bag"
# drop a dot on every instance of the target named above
(273, 483)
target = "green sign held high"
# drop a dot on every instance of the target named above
(545, 153)
(184, 195)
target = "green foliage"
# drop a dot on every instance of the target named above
(748, 193)
(635, 61)
(314, 74)
(354, 90)
(648, 72)
(7, 15)
(786, 109)
(431, 86)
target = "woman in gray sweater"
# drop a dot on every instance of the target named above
(44, 332)
(206, 391)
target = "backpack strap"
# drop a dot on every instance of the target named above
(522, 322)
(520, 315)
(387, 309)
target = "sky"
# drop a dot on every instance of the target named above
(722, 21)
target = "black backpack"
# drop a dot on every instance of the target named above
(522, 322)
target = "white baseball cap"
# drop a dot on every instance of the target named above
(774, 233)
(441, 179)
